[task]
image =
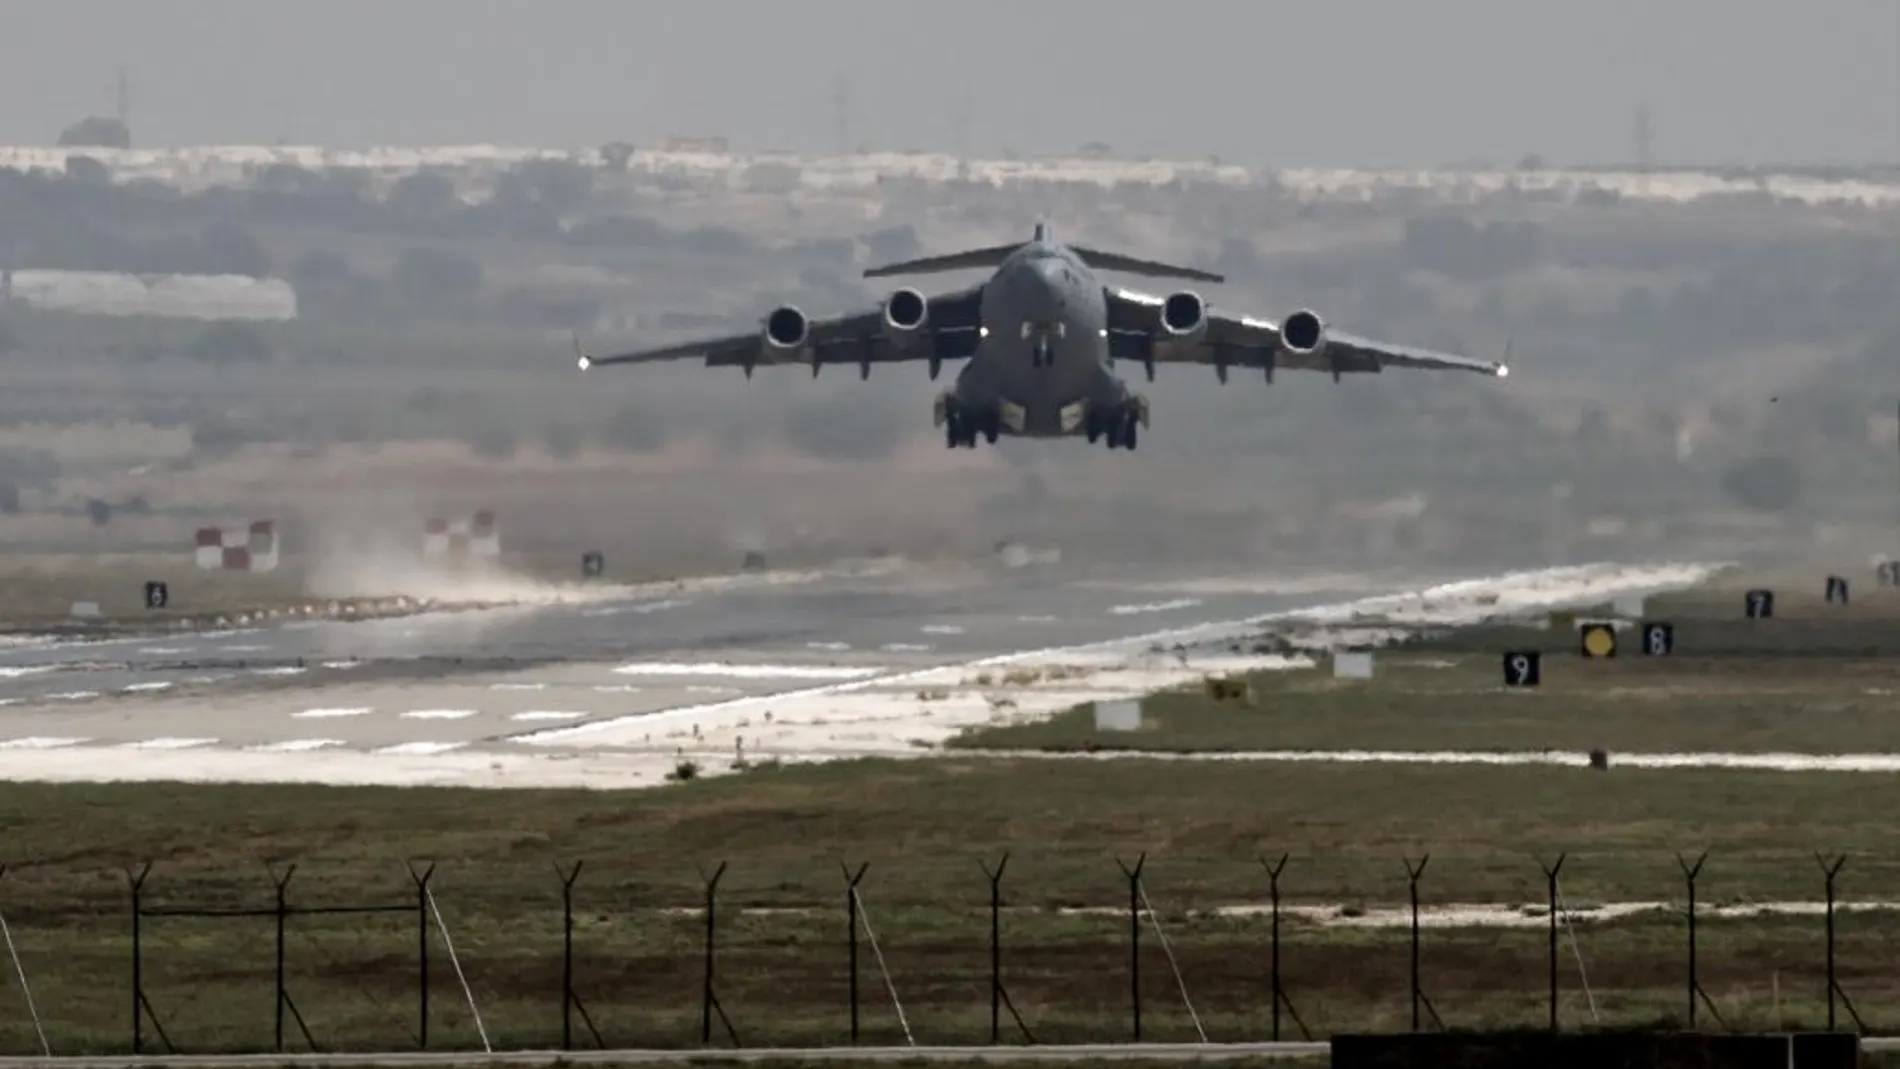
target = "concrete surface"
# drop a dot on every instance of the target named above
(838, 666)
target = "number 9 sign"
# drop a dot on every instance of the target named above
(1523, 668)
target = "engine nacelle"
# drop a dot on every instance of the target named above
(905, 313)
(786, 329)
(1184, 316)
(1303, 333)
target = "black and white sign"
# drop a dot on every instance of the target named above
(157, 595)
(592, 564)
(1659, 638)
(1523, 668)
(1836, 590)
(1759, 604)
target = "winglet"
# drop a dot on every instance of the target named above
(580, 356)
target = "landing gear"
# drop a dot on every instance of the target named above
(961, 427)
(1119, 427)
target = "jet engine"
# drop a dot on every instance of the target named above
(786, 328)
(1184, 316)
(1303, 333)
(905, 313)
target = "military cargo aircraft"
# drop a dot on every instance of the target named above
(1041, 336)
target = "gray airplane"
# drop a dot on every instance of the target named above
(1042, 335)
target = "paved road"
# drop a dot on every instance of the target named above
(428, 685)
(1159, 1052)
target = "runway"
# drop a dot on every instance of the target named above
(495, 697)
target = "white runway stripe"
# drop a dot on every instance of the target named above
(329, 714)
(136, 688)
(438, 714)
(1155, 606)
(40, 742)
(294, 745)
(746, 671)
(421, 748)
(169, 744)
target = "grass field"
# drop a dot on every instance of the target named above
(1815, 679)
(924, 827)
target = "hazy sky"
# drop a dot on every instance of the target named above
(1313, 82)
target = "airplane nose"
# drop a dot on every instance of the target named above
(1046, 280)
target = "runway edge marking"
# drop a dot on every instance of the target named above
(1578, 573)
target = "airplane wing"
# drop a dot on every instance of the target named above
(908, 326)
(1182, 329)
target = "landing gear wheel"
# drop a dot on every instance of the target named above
(1131, 433)
(992, 426)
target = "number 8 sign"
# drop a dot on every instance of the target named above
(1659, 638)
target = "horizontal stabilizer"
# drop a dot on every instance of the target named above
(991, 257)
(1114, 261)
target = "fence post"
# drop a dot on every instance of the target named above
(1689, 874)
(567, 953)
(1273, 888)
(1550, 884)
(709, 998)
(283, 917)
(851, 940)
(136, 883)
(421, 879)
(1134, 937)
(1413, 873)
(999, 995)
(1832, 870)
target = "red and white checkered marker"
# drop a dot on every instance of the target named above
(238, 549)
(461, 539)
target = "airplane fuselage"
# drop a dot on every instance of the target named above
(1041, 366)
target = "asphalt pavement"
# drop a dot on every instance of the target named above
(433, 684)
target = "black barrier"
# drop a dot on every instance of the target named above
(1660, 1050)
